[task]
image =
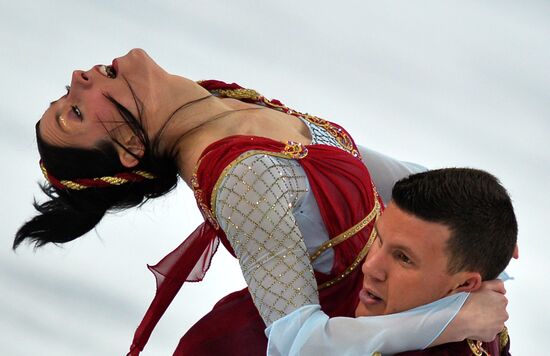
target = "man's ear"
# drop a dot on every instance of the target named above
(131, 152)
(467, 282)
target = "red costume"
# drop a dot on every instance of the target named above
(348, 204)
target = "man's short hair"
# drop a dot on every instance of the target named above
(474, 206)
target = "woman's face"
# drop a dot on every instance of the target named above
(85, 115)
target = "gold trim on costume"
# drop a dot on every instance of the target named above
(504, 338)
(338, 133)
(291, 151)
(72, 185)
(112, 180)
(234, 163)
(349, 232)
(239, 94)
(295, 150)
(477, 348)
(355, 263)
(144, 174)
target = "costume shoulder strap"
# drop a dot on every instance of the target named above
(235, 91)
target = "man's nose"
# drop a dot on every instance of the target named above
(80, 79)
(374, 266)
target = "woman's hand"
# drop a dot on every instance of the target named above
(481, 318)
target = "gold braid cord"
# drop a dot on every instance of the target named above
(106, 181)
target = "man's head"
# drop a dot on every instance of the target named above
(444, 232)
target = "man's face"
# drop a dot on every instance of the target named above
(407, 265)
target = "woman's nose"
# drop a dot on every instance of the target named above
(80, 78)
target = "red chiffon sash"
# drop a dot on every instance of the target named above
(188, 262)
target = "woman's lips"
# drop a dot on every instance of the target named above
(368, 298)
(115, 65)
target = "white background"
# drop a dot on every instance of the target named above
(441, 83)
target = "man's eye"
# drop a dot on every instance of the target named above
(77, 111)
(403, 258)
(68, 88)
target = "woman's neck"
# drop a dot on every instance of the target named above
(195, 119)
(189, 119)
(220, 120)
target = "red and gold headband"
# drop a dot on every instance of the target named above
(107, 181)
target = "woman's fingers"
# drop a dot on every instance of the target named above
(495, 285)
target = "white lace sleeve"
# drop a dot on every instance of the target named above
(253, 205)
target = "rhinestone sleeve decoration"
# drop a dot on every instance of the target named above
(199, 197)
(253, 205)
(295, 150)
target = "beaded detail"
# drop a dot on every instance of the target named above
(239, 94)
(207, 214)
(319, 136)
(295, 150)
(335, 131)
(254, 204)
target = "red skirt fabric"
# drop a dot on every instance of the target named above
(233, 327)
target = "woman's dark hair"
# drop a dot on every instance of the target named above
(476, 208)
(69, 214)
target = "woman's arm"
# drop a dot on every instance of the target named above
(254, 206)
(482, 316)
(309, 331)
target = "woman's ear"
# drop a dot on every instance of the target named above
(467, 282)
(130, 151)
